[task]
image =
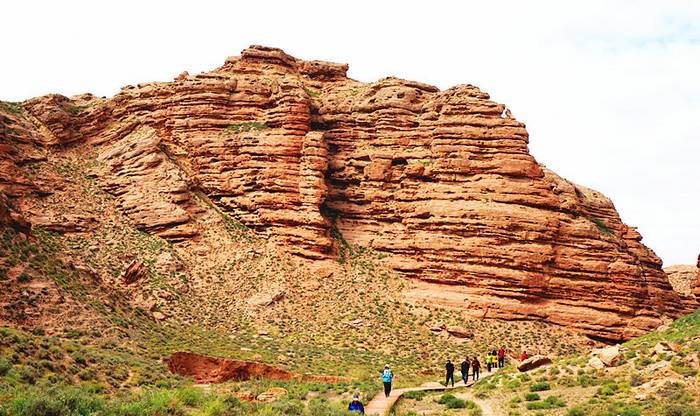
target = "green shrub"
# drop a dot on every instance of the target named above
(679, 410)
(189, 396)
(683, 368)
(5, 366)
(531, 397)
(576, 411)
(551, 402)
(415, 395)
(541, 386)
(643, 362)
(608, 389)
(636, 380)
(57, 402)
(452, 402)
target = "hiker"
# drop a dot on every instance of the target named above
(523, 356)
(464, 368)
(501, 357)
(475, 369)
(356, 405)
(387, 376)
(449, 373)
(488, 361)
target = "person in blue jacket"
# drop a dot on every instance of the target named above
(387, 377)
(356, 405)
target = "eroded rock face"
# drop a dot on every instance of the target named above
(683, 278)
(208, 369)
(440, 181)
(696, 291)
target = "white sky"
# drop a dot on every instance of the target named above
(610, 91)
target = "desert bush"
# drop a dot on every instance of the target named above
(541, 386)
(452, 402)
(636, 379)
(189, 396)
(679, 410)
(5, 366)
(551, 402)
(531, 397)
(576, 411)
(414, 395)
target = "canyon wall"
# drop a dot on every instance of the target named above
(440, 182)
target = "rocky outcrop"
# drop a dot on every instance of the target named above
(440, 182)
(609, 356)
(696, 291)
(134, 272)
(208, 369)
(683, 278)
(533, 362)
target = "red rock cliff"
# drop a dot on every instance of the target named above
(440, 181)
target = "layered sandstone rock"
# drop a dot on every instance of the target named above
(683, 278)
(696, 291)
(441, 182)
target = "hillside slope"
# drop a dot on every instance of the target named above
(440, 184)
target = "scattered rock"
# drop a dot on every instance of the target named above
(267, 298)
(664, 347)
(596, 363)
(436, 327)
(134, 272)
(272, 394)
(534, 362)
(158, 315)
(609, 356)
(459, 332)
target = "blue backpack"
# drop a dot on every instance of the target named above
(387, 375)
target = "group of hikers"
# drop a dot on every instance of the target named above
(494, 359)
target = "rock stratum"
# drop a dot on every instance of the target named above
(440, 182)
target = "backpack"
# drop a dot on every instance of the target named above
(387, 375)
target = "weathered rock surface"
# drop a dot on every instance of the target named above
(596, 362)
(683, 278)
(134, 272)
(533, 362)
(441, 182)
(696, 291)
(208, 369)
(609, 356)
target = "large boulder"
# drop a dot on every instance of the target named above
(609, 356)
(460, 332)
(664, 347)
(534, 362)
(596, 363)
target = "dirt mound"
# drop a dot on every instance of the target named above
(206, 369)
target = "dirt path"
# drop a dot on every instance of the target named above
(381, 405)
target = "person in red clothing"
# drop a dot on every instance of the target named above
(501, 357)
(523, 357)
(475, 367)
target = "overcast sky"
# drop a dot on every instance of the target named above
(610, 91)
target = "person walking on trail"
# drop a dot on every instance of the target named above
(501, 357)
(523, 356)
(449, 373)
(475, 368)
(464, 368)
(387, 377)
(356, 405)
(488, 361)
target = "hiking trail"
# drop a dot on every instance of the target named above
(382, 405)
